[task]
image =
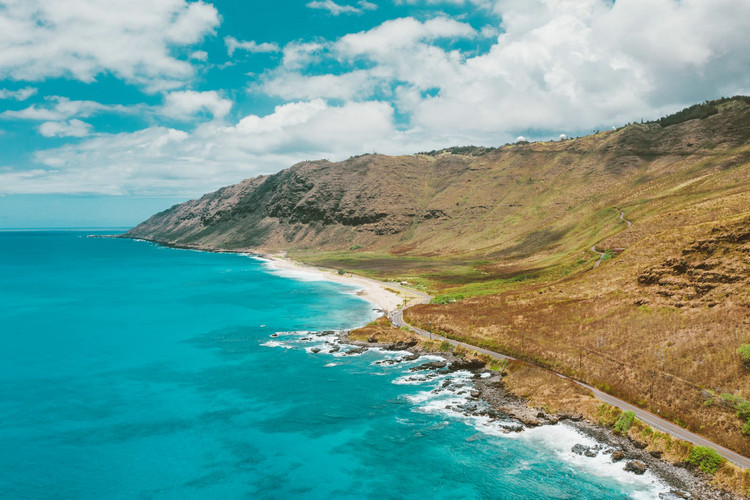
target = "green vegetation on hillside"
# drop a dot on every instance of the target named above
(706, 459)
(698, 111)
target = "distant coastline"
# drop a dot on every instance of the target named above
(387, 297)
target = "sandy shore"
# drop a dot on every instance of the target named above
(385, 296)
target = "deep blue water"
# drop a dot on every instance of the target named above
(129, 370)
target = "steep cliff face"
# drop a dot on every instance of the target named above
(365, 200)
(541, 199)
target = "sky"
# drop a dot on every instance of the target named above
(112, 110)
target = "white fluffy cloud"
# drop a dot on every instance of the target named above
(160, 160)
(556, 66)
(185, 104)
(234, 45)
(18, 95)
(80, 39)
(71, 128)
(336, 9)
(58, 108)
(405, 33)
(399, 50)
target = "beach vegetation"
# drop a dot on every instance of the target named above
(706, 459)
(744, 352)
(446, 299)
(624, 422)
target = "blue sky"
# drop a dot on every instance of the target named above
(111, 110)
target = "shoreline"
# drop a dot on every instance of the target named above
(386, 297)
(492, 390)
(683, 481)
(373, 291)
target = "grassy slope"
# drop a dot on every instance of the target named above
(669, 345)
(530, 213)
(658, 325)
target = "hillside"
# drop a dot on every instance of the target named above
(658, 323)
(536, 201)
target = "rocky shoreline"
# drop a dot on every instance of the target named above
(684, 480)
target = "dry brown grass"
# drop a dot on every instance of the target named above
(544, 389)
(660, 345)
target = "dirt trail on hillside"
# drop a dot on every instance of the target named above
(602, 254)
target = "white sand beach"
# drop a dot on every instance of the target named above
(385, 296)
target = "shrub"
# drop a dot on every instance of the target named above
(624, 422)
(445, 346)
(697, 111)
(743, 409)
(744, 352)
(446, 299)
(341, 272)
(706, 459)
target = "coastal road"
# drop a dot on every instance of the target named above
(666, 426)
(397, 318)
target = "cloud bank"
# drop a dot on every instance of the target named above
(404, 85)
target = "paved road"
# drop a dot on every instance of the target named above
(397, 318)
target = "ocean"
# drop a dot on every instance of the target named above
(130, 370)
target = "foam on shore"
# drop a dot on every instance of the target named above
(297, 273)
(450, 394)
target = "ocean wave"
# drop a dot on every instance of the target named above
(272, 267)
(560, 439)
(452, 394)
(276, 343)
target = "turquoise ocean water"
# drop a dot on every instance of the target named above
(129, 370)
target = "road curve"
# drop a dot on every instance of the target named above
(397, 318)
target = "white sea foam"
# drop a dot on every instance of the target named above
(276, 343)
(417, 378)
(449, 394)
(454, 400)
(295, 274)
(560, 439)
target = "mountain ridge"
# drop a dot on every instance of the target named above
(443, 203)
